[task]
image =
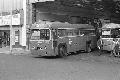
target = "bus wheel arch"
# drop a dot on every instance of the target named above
(62, 49)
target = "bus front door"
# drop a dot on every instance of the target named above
(54, 32)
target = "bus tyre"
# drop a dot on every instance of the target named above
(116, 51)
(62, 51)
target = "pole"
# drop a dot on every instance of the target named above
(24, 25)
(11, 30)
(28, 21)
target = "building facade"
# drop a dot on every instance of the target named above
(17, 30)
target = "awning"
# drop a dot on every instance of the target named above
(34, 1)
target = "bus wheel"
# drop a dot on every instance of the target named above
(116, 51)
(62, 51)
(116, 54)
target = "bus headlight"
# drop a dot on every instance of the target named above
(33, 47)
(45, 47)
(41, 48)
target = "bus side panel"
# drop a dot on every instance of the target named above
(93, 41)
(66, 41)
(82, 42)
(73, 44)
(77, 43)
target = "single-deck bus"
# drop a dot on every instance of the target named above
(60, 39)
(110, 38)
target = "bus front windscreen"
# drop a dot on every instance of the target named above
(40, 34)
(35, 34)
(44, 34)
(111, 33)
(106, 33)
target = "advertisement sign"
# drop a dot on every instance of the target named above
(16, 19)
(0, 20)
(43, 0)
(6, 20)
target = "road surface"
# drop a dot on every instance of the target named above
(16, 67)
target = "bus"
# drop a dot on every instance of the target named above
(61, 39)
(110, 38)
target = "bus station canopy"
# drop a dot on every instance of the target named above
(111, 25)
(68, 25)
(55, 25)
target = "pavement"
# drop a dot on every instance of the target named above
(15, 51)
(5, 50)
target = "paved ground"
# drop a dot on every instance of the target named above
(15, 51)
(75, 67)
(5, 50)
(94, 56)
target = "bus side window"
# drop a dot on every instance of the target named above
(55, 36)
(70, 32)
(76, 32)
(86, 32)
(91, 32)
(61, 32)
(115, 33)
(82, 32)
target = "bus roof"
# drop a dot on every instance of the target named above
(111, 25)
(61, 25)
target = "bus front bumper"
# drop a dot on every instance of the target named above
(41, 52)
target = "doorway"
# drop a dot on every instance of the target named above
(4, 38)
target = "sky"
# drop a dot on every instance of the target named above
(5, 5)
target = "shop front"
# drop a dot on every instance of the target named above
(18, 32)
(4, 38)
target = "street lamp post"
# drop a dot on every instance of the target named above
(24, 23)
